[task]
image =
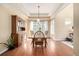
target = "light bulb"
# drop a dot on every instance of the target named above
(38, 20)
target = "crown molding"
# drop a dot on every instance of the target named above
(39, 17)
(59, 9)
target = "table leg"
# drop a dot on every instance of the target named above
(45, 42)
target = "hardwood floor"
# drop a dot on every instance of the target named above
(54, 48)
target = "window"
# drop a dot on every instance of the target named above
(34, 26)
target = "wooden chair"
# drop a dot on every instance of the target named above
(39, 39)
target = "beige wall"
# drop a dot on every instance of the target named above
(76, 29)
(61, 30)
(5, 24)
(13, 11)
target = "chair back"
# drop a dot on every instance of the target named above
(39, 34)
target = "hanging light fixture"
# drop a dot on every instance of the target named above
(38, 20)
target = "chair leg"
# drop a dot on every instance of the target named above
(45, 45)
(42, 46)
(33, 45)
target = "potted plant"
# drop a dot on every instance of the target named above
(10, 43)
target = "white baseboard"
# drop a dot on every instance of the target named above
(70, 45)
(3, 51)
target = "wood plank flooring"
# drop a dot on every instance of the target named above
(54, 48)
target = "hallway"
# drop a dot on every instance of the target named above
(54, 48)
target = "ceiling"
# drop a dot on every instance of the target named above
(44, 8)
(31, 9)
